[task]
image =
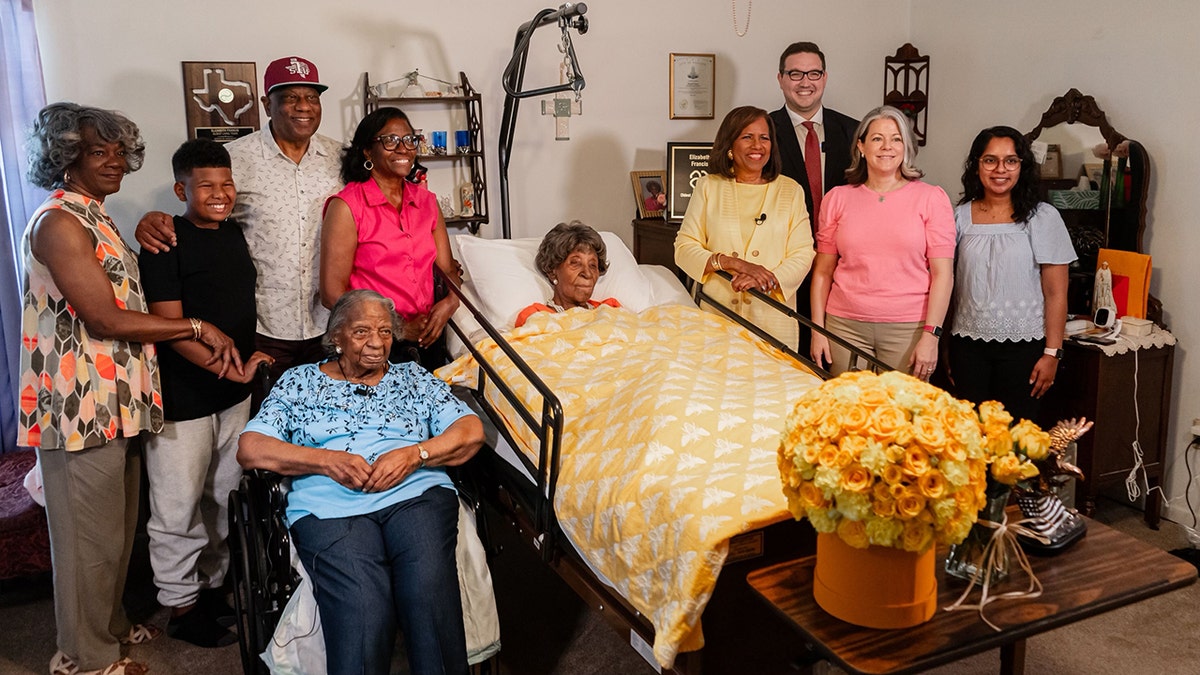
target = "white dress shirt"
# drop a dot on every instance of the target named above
(279, 205)
(818, 120)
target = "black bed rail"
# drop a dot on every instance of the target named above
(859, 360)
(548, 428)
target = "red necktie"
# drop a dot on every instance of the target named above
(812, 166)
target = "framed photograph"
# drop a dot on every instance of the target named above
(692, 86)
(686, 164)
(220, 100)
(649, 192)
(1052, 166)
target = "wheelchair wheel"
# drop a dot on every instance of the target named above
(260, 562)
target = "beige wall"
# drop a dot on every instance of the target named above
(992, 64)
(1003, 63)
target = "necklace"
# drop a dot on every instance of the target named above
(346, 377)
(733, 9)
(883, 193)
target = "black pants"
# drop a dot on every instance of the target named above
(996, 371)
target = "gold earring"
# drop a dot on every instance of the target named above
(729, 154)
(66, 176)
(337, 349)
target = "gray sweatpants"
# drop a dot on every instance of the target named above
(192, 466)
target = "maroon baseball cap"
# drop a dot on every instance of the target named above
(289, 71)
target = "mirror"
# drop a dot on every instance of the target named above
(1112, 214)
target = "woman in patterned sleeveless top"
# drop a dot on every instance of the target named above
(89, 381)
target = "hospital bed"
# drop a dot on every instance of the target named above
(532, 475)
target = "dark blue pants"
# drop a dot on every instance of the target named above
(984, 370)
(394, 566)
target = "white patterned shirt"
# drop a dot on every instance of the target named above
(279, 204)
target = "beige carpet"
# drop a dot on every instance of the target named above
(547, 630)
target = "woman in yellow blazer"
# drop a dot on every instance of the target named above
(747, 219)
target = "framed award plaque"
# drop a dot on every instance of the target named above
(221, 100)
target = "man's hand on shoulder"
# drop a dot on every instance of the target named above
(156, 232)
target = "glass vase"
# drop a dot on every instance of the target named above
(965, 559)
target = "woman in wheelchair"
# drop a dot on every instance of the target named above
(372, 512)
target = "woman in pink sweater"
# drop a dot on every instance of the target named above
(884, 268)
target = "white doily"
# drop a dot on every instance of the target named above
(1158, 338)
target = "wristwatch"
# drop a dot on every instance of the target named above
(935, 331)
(1056, 353)
(423, 454)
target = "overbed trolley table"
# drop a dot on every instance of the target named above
(1103, 571)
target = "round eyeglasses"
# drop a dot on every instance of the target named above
(991, 162)
(392, 141)
(800, 75)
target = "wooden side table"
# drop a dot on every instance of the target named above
(1100, 387)
(654, 243)
(1104, 571)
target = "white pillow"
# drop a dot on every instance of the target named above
(506, 279)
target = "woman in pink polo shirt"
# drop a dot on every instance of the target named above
(384, 233)
(885, 254)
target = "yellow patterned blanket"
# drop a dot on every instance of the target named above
(672, 426)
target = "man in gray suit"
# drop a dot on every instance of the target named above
(814, 141)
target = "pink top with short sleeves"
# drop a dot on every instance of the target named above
(396, 250)
(884, 244)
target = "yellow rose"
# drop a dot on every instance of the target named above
(991, 413)
(932, 484)
(916, 461)
(910, 504)
(916, 537)
(887, 422)
(874, 397)
(853, 445)
(812, 497)
(1034, 442)
(843, 459)
(929, 432)
(830, 424)
(855, 419)
(853, 532)
(856, 478)
(1007, 469)
(810, 452)
(892, 475)
(883, 505)
(827, 456)
(999, 442)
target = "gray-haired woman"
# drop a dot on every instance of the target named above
(89, 381)
(372, 511)
(572, 256)
(885, 254)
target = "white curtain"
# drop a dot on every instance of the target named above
(22, 94)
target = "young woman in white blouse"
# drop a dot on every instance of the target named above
(1010, 286)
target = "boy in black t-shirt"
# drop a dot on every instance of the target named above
(192, 464)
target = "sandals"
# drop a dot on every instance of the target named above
(62, 664)
(141, 633)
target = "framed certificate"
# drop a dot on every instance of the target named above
(692, 86)
(686, 164)
(220, 100)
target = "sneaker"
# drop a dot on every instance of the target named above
(198, 628)
(213, 602)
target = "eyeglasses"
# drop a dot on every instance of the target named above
(799, 75)
(990, 162)
(392, 141)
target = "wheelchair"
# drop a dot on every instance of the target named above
(261, 562)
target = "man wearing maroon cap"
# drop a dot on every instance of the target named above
(283, 174)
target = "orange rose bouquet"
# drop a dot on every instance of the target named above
(894, 461)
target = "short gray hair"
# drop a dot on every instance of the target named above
(350, 301)
(563, 240)
(857, 173)
(55, 142)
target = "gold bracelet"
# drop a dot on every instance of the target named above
(197, 329)
(716, 262)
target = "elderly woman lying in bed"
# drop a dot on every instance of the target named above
(572, 257)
